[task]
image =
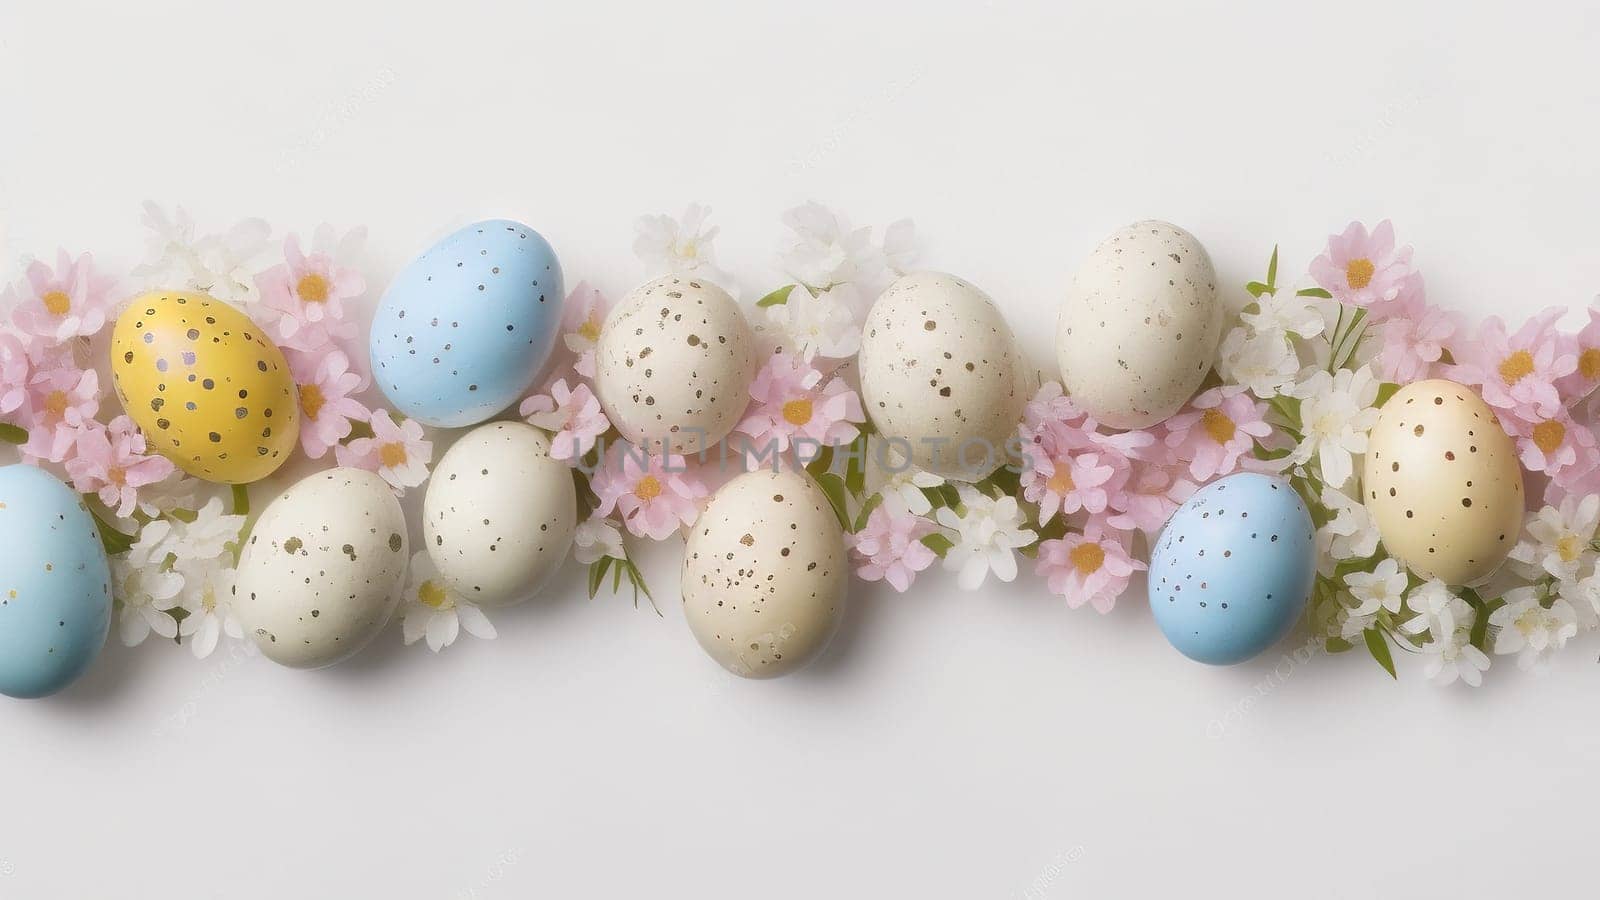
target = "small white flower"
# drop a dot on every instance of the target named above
(987, 537)
(900, 246)
(145, 592)
(1531, 631)
(434, 610)
(1336, 412)
(1436, 610)
(222, 265)
(1555, 541)
(179, 490)
(1450, 655)
(1264, 363)
(1382, 588)
(680, 247)
(897, 481)
(1350, 535)
(822, 250)
(1285, 312)
(595, 539)
(810, 325)
(1584, 597)
(202, 554)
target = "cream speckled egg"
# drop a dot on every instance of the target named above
(940, 374)
(321, 570)
(764, 574)
(674, 364)
(499, 514)
(1140, 325)
(1442, 482)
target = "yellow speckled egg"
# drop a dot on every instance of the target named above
(1442, 482)
(209, 389)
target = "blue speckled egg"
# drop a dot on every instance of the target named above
(55, 585)
(464, 330)
(1231, 571)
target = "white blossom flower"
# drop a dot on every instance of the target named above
(1530, 630)
(897, 481)
(1584, 597)
(1336, 411)
(222, 265)
(1450, 655)
(680, 246)
(433, 609)
(596, 538)
(1350, 535)
(1436, 609)
(900, 246)
(146, 592)
(822, 250)
(1285, 312)
(988, 535)
(1382, 588)
(1264, 363)
(1555, 540)
(202, 554)
(812, 325)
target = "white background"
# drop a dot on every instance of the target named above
(948, 745)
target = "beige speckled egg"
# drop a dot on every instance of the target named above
(674, 364)
(1442, 482)
(321, 570)
(764, 574)
(1140, 325)
(499, 514)
(940, 374)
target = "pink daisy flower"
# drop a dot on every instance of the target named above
(310, 290)
(1585, 345)
(397, 452)
(1518, 373)
(326, 385)
(1065, 482)
(60, 402)
(1093, 567)
(573, 415)
(789, 407)
(1153, 493)
(1411, 345)
(653, 493)
(15, 368)
(1220, 426)
(890, 547)
(1366, 270)
(110, 461)
(1559, 447)
(70, 301)
(1050, 409)
(581, 320)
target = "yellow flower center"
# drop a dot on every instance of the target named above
(1569, 547)
(1061, 479)
(55, 403)
(1516, 367)
(1087, 558)
(393, 455)
(797, 412)
(311, 400)
(57, 303)
(117, 475)
(590, 329)
(1589, 364)
(208, 599)
(313, 288)
(647, 489)
(690, 250)
(1218, 425)
(1548, 436)
(433, 594)
(1358, 272)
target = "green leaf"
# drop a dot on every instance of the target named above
(1006, 480)
(1287, 407)
(241, 500)
(1337, 645)
(938, 543)
(360, 430)
(855, 470)
(777, 298)
(822, 463)
(113, 540)
(1256, 288)
(597, 573)
(872, 503)
(1314, 292)
(1385, 391)
(1379, 648)
(1272, 270)
(616, 579)
(13, 434)
(951, 496)
(833, 487)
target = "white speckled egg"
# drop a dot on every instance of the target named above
(1140, 325)
(674, 364)
(321, 570)
(764, 574)
(1442, 482)
(499, 514)
(940, 374)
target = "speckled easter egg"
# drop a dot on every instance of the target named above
(1442, 482)
(55, 584)
(1140, 325)
(674, 364)
(321, 570)
(1231, 571)
(209, 390)
(764, 574)
(463, 331)
(941, 375)
(499, 514)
